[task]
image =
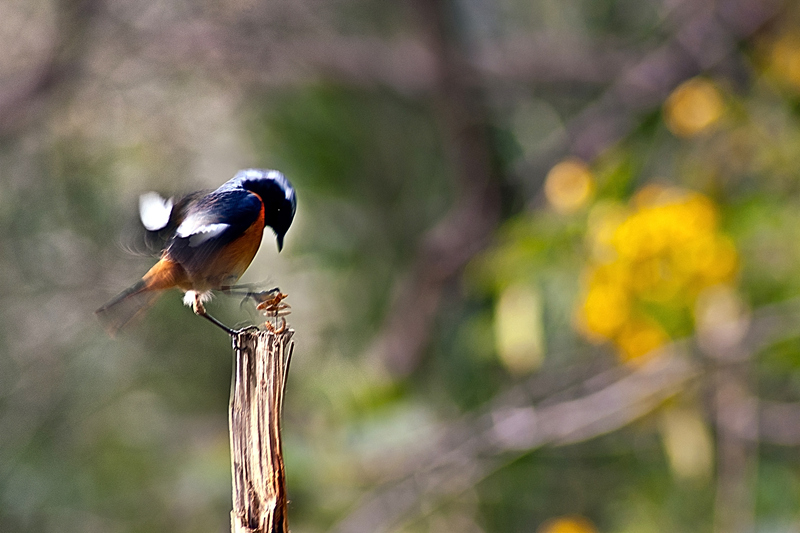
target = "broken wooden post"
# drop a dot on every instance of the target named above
(259, 481)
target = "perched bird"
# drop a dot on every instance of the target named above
(209, 240)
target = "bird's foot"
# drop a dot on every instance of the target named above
(250, 291)
(200, 310)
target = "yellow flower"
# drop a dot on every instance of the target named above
(661, 253)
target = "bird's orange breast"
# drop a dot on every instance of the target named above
(229, 263)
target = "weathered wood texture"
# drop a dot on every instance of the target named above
(256, 406)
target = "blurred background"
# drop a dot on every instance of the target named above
(543, 274)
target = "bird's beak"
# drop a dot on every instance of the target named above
(280, 242)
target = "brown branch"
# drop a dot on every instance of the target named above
(403, 64)
(731, 384)
(464, 120)
(737, 449)
(256, 405)
(701, 37)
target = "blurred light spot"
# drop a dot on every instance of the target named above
(569, 185)
(537, 127)
(693, 107)
(519, 332)
(784, 59)
(722, 319)
(687, 443)
(567, 524)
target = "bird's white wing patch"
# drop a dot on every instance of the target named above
(154, 210)
(199, 233)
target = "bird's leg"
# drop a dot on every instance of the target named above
(258, 296)
(200, 310)
(248, 289)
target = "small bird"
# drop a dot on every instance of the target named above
(209, 240)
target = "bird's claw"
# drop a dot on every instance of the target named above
(269, 302)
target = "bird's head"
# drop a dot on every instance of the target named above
(280, 201)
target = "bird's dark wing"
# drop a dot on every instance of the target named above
(209, 224)
(161, 217)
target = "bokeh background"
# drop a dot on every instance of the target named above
(543, 275)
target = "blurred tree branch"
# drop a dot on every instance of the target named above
(700, 36)
(466, 452)
(403, 64)
(703, 36)
(61, 65)
(737, 446)
(468, 227)
(504, 434)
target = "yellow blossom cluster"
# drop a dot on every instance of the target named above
(661, 251)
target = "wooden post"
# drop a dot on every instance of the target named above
(256, 405)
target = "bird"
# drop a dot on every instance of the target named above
(208, 240)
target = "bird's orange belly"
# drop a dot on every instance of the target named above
(229, 263)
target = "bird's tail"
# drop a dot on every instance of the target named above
(136, 299)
